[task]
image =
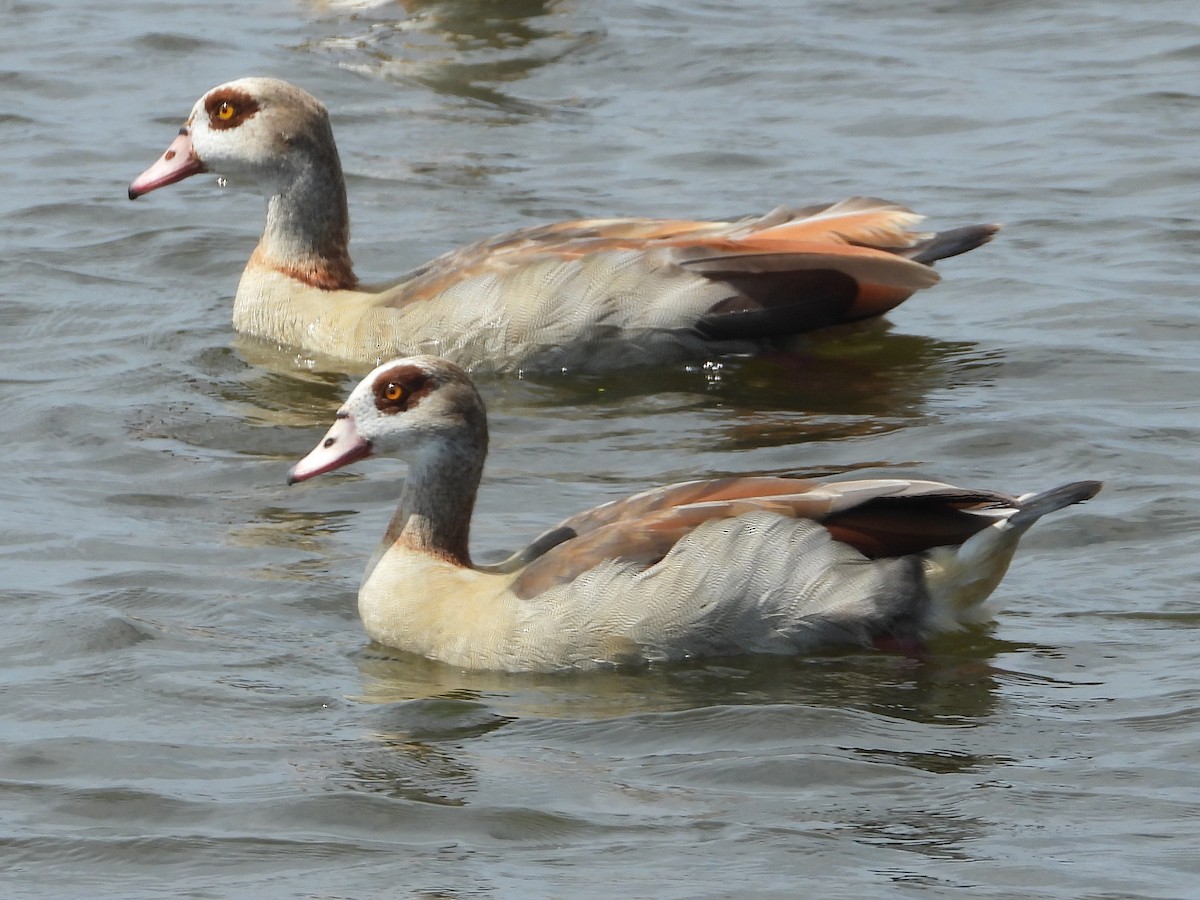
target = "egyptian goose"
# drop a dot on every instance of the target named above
(703, 568)
(581, 295)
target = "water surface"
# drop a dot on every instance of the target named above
(189, 704)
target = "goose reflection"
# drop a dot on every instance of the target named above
(415, 751)
(867, 379)
(954, 683)
(436, 731)
(458, 48)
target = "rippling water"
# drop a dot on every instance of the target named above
(189, 705)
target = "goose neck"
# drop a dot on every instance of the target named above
(438, 500)
(307, 235)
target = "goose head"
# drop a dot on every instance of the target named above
(422, 409)
(260, 131)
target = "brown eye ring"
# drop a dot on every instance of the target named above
(400, 387)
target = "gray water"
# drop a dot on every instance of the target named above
(189, 706)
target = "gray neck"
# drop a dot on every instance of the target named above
(438, 501)
(307, 235)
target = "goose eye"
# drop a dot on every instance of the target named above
(393, 391)
(226, 111)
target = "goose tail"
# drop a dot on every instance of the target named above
(960, 579)
(952, 242)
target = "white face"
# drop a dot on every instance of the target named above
(258, 131)
(246, 130)
(398, 409)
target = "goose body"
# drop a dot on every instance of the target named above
(584, 295)
(704, 568)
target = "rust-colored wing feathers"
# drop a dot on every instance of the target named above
(866, 221)
(789, 271)
(682, 494)
(879, 518)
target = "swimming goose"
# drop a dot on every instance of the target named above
(585, 295)
(702, 568)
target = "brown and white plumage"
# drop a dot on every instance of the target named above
(586, 294)
(704, 568)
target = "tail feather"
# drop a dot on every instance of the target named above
(951, 242)
(1032, 507)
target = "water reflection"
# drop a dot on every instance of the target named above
(725, 725)
(955, 683)
(225, 405)
(416, 751)
(270, 385)
(305, 533)
(850, 383)
(409, 770)
(864, 369)
(863, 380)
(459, 48)
(940, 835)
